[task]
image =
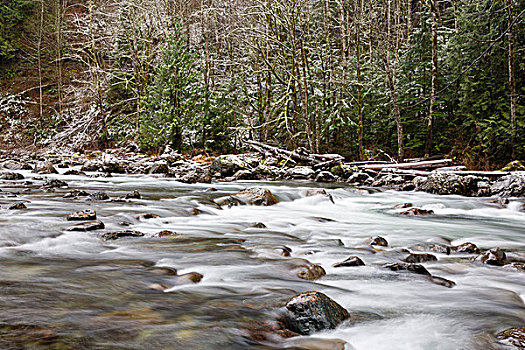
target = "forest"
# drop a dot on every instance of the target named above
(392, 79)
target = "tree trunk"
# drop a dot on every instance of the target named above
(397, 115)
(428, 146)
(512, 82)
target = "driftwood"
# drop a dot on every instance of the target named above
(408, 172)
(299, 155)
(431, 164)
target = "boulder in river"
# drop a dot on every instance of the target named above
(133, 195)
(325, 176)
(166, 233)
(404, 205)
(300, 173)
(379, 241)
(319, 192)
(512, 339)
(448, 183)
(494, 256)
(413, 268)
(442, 281)
(350, 261)
(74, 172)
(313, 311)
(87, 214)
(512, 185)
(11, 176)
(249, 196)
(360, 178)
(227, 165)
(55, 183)
(414, 258)
(87, 226)
(121, 234)
(467, 247)
(310, 272)
(76, 193)
(98, 196)
(15, 165)
(45, 168)
(17, 206)
(417, 211)
(146, 216)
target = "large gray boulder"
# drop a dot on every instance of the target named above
(313, 311)
(512, 185)
(228, 164)
(448, 183)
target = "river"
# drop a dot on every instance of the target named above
(73, 290)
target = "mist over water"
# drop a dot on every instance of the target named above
(78, 291)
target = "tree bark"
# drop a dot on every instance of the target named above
(433, 92)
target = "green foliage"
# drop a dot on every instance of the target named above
(174, 97)
(13, 13)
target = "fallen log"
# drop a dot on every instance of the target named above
(299, 155)
(408, 172)
(431, 164)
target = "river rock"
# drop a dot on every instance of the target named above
(188, 278)
(313, 311)
(76, 193)
(283, 250)
(15, 165)
(512, 338)
(87, 226)
(74, 172)
(300, 173)
(325, 176)
(87, 214)
(17, 206)
(442, 281)
(249, 196)
(467, 247)
(11, 176)
(120, 234)
(92, 166)
(133, 195)
(342, 170)
(319, 192)
(146, 216)
(448, 183)
(227, 165)
(98, 196)
(414, 258)
(515, 266)
(350, 261)
(494, 256)
(388, 180)
(166, 233)
(360, 178)
(379, 241)
(45, 168)
(310, 272)
(412, 268)
(512, 185)
(417, 211)
(55, 183)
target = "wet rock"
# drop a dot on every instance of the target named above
(160, 168)
(440, 248)
(414, 258)
(196, 175)
(412, 268)
(350, 261)
(161, 287)
(448, 183)
(121, 234)
(311, 343)
(146, 216)
(258, 225)
(325, 176)
(343, 170)
(87, 226)
(227, 165)
(98, 196)
(300, 173)
(494, 256)
(319, 192)
(15, 165)
(313, 311)
(87, 214)
(188, 278)
(388, 180)
(515, 266)
(250, 196)
(512, 338)
(76, 194)
(404, 205)
(360, 178)
(166, 233)
(514, 166)
(11, 176)
(408, 186)
(45, 168)
(417, 211)
(133, 195)
(379, 241)
(17, 206)
(512, 185)
(310, 272)
(467, 247)
(283, 250)
(74, 172)
(442, 281)
(267, 330)
(114, 167)
(55, 183)
(92, 166)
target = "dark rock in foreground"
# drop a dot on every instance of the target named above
(442, 281)
(413, 268)
(87, 214)
(120, 234)
(313, 311)
(350, 261)
(419, 258)
(17, 206)
(512, 338)
(379, 241)
(250, 196)
(11, 176)
(133, 195)
(467, 247)
(98, 196)
(494, 256)
(87, 226)
(417, 211)
(310, 272)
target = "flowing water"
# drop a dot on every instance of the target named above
(73, 290)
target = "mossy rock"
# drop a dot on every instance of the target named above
(514, 166)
